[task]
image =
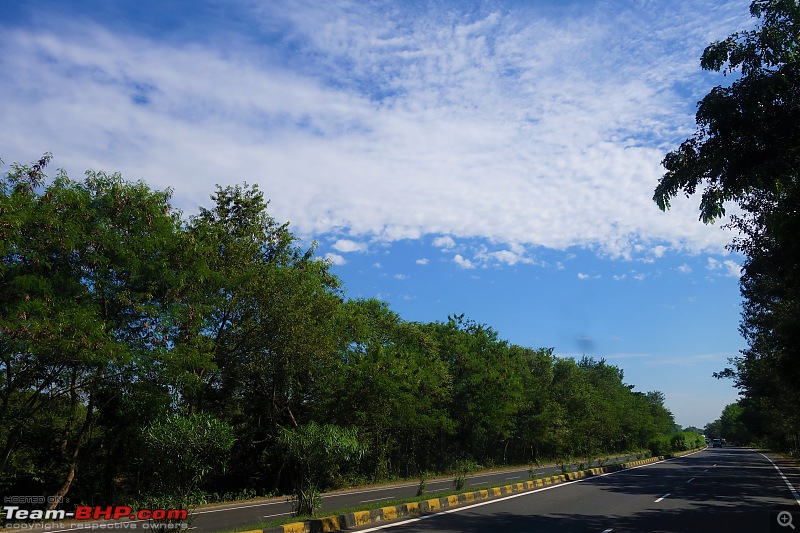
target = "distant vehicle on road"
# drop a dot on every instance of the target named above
(716, 443)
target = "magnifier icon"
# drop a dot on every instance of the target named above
(785, 519)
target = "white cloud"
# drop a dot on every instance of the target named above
(335, 259)
(628, 356)
(445, 242)
(684, 269)
(583, 276)
(511, 257)
(733, 268)
(377, 265)
(728, 267)
(619, 277)
(400, 276)
(387, 127)
(690, 360)
(506, 256)
(423, 261)
(348, 246)
(515, 254)
(463, 263)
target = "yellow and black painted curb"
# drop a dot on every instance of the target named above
(406, 510)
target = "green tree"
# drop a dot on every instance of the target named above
(732, 424)
(747, 150)
(87, 275)
(391, 383)
(747, 132)
(713, 430)
(317, 452)
(487, 386)
(539, 426)
(257, 335)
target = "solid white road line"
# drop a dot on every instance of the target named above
(239, 507)
(661, 498)
(690, 480)
(791, 488)
(377, 499)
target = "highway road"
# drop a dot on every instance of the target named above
(214, 519)
(225, 517)
(715, 490)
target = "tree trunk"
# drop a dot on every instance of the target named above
(11, 442)
(87, 423)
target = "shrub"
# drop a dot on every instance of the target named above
(660, 445)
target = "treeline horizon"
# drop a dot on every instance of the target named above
(144, 356)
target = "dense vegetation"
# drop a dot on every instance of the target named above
(146, 356)
(747, 150)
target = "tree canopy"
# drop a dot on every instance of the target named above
(748, 133)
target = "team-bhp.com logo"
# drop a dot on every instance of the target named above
(16, 518)
(86, 512)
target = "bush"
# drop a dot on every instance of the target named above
(317, 452)
(182, 452)
(463, 469)
(661, 445)
(678, 442)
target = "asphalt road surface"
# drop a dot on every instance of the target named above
(238, 515)
(225, 517)
(715, 490)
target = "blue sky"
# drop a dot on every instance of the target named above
(490, 158)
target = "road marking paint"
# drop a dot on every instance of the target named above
(608, 531)
(239, 507)
(515, 477)
(661, 498)
(510, 497)
(377, 499)
(690, 480)
(791, 488)
(271, 515)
